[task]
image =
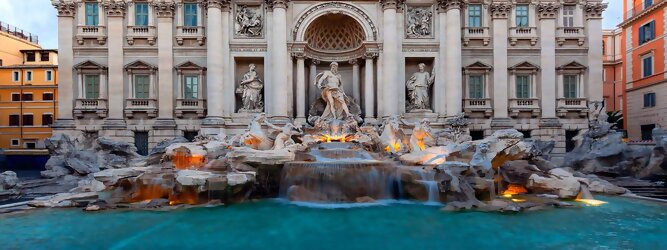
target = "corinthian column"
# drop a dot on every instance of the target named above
(115, 12)
(548, 12)
(300, 87)
(500, 13)
(453, 67)
(356, 91)
(165, 19)
(215, 66)
(594, 9)
(66, 12)
(278, 107)
(439, 99)
(369, 90)
(390, 58)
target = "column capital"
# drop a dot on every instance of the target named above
(314, 62)
(223, 5)
(446, 5)
(272, 4)
(115, 8)
(548, 10)
(370, 55)
(299, 55)
(353, 62)
(594, 10)
(392, 4)
(164, 9)
(64, 8)
(500, 10)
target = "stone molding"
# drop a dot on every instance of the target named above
(333, 7)
(594, 10)
(392, 4)
(446, 5)
(370, 55)
(223, 5)
(65, 8)
(115, 8)
(500, 10)
(272, 4)
(164, 9)
(548, 10)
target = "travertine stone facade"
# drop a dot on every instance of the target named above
(524, 64)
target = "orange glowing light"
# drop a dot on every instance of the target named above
(514, 189)
(188, 196)
(591, 202)
(149, 192)
(185, 161)
(395, 146)
(518, 200)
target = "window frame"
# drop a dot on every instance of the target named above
(43, 55)
(17, 123)
(29, 76)
(24, 96)
(522, 17)
(24, 119)
(528, 90)
(143, 15)
(195, 91)
(48, 75)
(48, 93)
(192, 7)
(646, 32)
(574, 86)
(86, 87)
(568, 13)
(644, 67)
(481, 88)
(91, 13)
(15, 94)
(50, 115)
(649, 100)
(17, 144)
(16, 76)
(147, 86)
(647, 3)
(475, 21)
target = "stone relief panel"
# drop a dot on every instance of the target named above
(419, 22)
(248, 21)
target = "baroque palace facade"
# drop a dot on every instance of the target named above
(148, 70)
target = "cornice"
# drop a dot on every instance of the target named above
(500, 9)
(223, 5)
(548, 10)
(392, 4)
(164, 9)
(64, 8)
(115, 8)
(594, 10)
(272, 4)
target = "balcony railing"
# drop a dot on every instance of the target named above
(91, 32)
(518, 105)
(472, 105)
(476, 33)
(197, 106)
(639, 8)
(141, 32)
(570, 33)
(572, 105)
(14, 31)
(98, 106)
(190, 32)
(148, 106)
(523, 33)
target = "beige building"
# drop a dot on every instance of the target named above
(144, 71)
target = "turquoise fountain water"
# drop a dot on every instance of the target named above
(277, 224)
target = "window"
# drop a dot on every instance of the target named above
(27, 120)
(526, 134)
(92, 86)
(647, 132)
(14, 120)
(648, 3)
(522, 15)
(141, 14)
(191, 88)
(47, 119)
(92, 16)
(523, 86)
(0, 62)
(141, 142)
(44, 56)
(190, 14)
(477, 135)
(47, 97)
(49, 75)
(647, 66)
(16, 97)
(646, 32)
(570, 86)
(476, 86)
(141, 86)
(30, 145)
(475, 15)
(30, 56)
(28, 76)
(568, 15)
(16, 76)
(15, 142)
(27, 97)
(649, 100)
(570, 143)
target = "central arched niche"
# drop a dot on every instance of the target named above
(334, 33)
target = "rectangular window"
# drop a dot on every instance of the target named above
(47, 97)
(190, 14)
(47, 119)
(14, 120)
(30, 56)
(475, 15)
(191, 88)
(647, 66)
(649, 100)
(570, 143)
(647, 132)
(570, 86)
(27, 120)
(27, 97)
(522, 15)
(44, 56)
(16, 97)
(648, 3)
(30, 145)
(0, 62)
(28, 76)
(141, 86)
(49, 75)
(476, 86)
(92, 86)
(141, 14)
(16, 76)
(568, 15)
(15, 142)
(523, 86)
(92, 15)
(646, 32)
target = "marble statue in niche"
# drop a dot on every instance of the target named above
(418, 89)
(248, 22)
(250, 90)
(419, 22)
(332, 93)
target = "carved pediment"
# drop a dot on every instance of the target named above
(188, 65)
(574, 65)
(139, 65)
(525, 66)
(478, 66)
(88, 64)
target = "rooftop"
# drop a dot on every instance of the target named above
(19, 33)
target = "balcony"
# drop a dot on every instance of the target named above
(97, 106)
(185, 33)
(566, 105)
(518, 105)
(476, 33)
(141, 32)
(570, 33)
(197, 106)
(148, 106)
(523, 33)
(91, 32)
(639, 8)
(482, 105)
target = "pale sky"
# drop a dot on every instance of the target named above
(39, 17)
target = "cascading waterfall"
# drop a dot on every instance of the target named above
(431, 186)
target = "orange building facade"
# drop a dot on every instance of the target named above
(643, 47)
(613, 69)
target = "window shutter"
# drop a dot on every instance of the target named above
(651, 30)
(641, 35)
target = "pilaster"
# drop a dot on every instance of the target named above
(116, 99)
(500, 14)
(594, 36)
(453, 57)
(548, 12)
(165, 17)
(66, 13)
(390, 57)
(215, 64)
(278, 108)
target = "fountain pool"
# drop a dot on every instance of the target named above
(619, 224)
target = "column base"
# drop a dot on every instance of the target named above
(212, 125)
(63, 124)
(114, 124)
(164, 124)
(300, 120)
(370, 120)
(550, 123)
(280, 119)
(502, 123)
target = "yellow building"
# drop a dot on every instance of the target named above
(12, 41)
(28, 92)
